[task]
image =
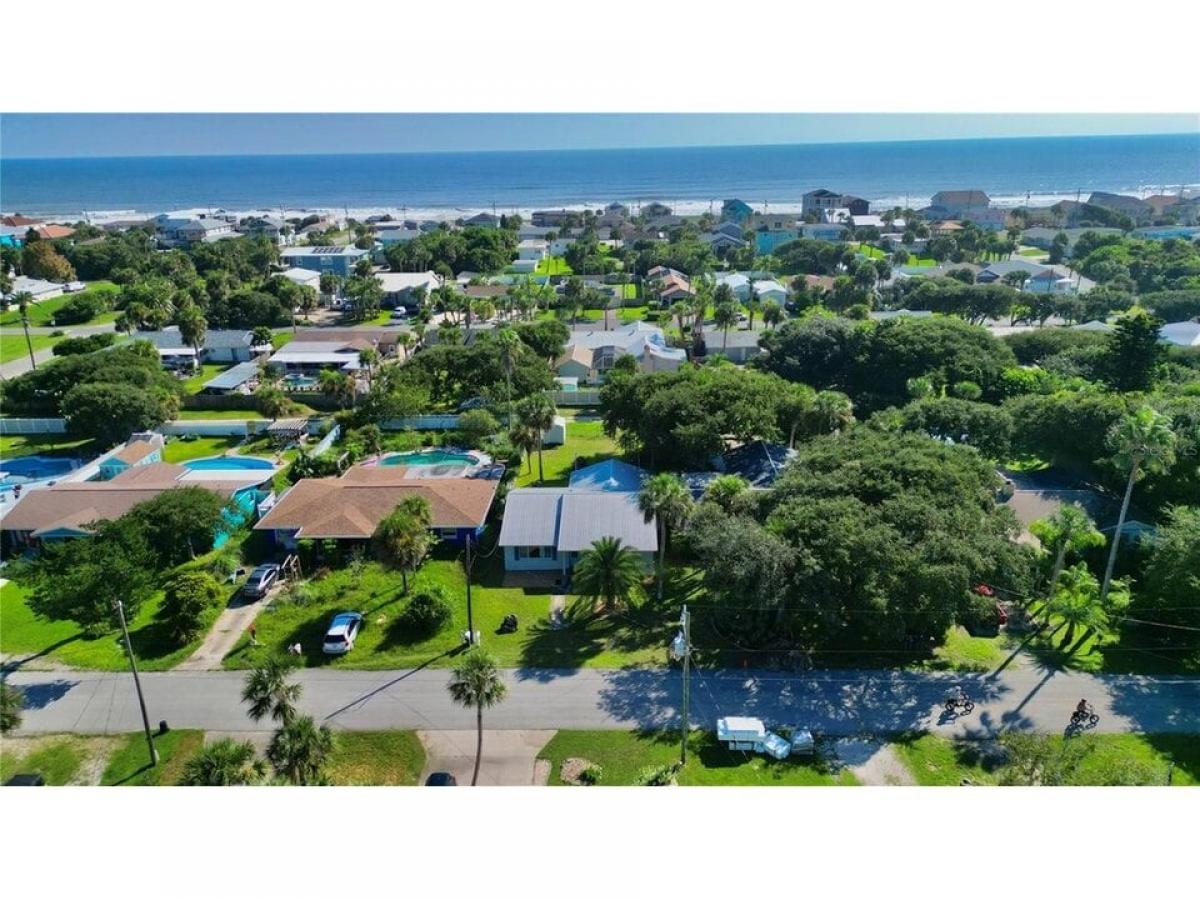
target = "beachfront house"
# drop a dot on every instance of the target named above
(336, 260)
(349, 507)
(955, 204)
(482, 220)
(187, 232)
(736, 211)
(548, 529)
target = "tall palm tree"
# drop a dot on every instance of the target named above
(724, 317)
(608, 571)
(524, 439)
(224, 763)
(510, 345)
(832, 411)
(754, 305)
(796, 406)
(24, 298)
(1143, 443)
(666, 500)
(269, 692)
(1070, 530)
(476, 683)
(193, 327)
(368, 358)
(1077, 602)
(772, 313)
(405, 340)
(537, 413)
(300, 751)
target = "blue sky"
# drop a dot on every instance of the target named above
(63, 135)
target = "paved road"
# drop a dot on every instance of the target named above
(846, 702)
(21, 364)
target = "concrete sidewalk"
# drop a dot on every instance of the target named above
(509, 757)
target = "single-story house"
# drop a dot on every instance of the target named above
(66, 509)
(736, 282)
(220, 346)
(720, 241)
(389, 237)
(1043, 237)
(524, 266)
(765, 241)
(302, 357)
(1167, 232)
(382, 338)
(350, 507)
(303, 277)
(338, 260)
(141, 449)
(770, 290)
(737, 346)
(547, 529)
(399, 287)
(41, 290)
(882, 315)
(823, 231)
(53, 232)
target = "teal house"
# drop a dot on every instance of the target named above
(767, 241)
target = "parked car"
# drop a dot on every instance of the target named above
(399, 313)
(341, 634)
(441, 779)
(261, 580)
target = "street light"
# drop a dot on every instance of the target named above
(137, 682)
(681, 649)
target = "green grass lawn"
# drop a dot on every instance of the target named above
(14, 445)
(1032, 251)
(129, 764)
(281, 338)
(206, 372)
(552, 265)
(242, 414)
(622, 755)
(377, 758)
(180, 450)
(13, 346)
(27, 636)
(637, 637)
(962, 652)
(939, 761)
(1103, 654)
(623, 316)
(875, 253)
(41, 315)
(58, 759)
(586, 442)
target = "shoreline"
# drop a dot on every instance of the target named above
(688, 206)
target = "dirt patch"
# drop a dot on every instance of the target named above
(572, 768)
(873, 762)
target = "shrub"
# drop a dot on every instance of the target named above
(475, 425)
(591, 775)
(187, 598)
(77, 345)
(658, 776)
(300, 594)
(427, 613)
(79, 309)
(12, 701)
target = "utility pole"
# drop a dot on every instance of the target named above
(137, 682)
(681, 649)
(470, 618)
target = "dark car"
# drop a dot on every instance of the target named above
(441, 779)
(261, 580)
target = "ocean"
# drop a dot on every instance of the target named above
(692, 179)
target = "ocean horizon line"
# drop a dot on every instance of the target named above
(990, 139)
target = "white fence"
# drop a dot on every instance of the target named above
(421, 423)
(327, 441)
(33, 426)
(575, 398)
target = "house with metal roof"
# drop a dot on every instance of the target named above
(335, 259)
(760, 463)
(239, 379)
(309, 357)
(547, 529)
(230, 345)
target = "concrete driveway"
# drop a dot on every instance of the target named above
(509, 757)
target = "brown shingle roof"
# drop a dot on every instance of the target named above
(52, 232)
(135, 452)
(577, 353)
(354, 504)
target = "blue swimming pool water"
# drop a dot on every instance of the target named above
(36, 468)
(429, 458)
(230, 462)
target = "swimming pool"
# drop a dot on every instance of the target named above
(229, 462)
(430, 458)
(23, 469)
(300, 382)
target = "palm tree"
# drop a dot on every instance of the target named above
(724, 489)
(300, 751)
(224, 763)
(193, 327)
(537, 413)
(680, 311)
(510, 344)
(724, 316)
(609, 572)
(796, 406)
(665, 499)
(1070, 530)
(524, 439)
(405, 339)
(402, 540)
(832, 411)
(754, 306)
(476, 683)
(268, 691)
(24, 298)
(1143, 443)
(772, 313)
(338, 386)
(368, 358)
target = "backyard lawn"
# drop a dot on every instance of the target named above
(180, 449)
(875, 253)
(206, 372)
(14, 445)
(586, 442)
(13, 347)
(1032, 251)
(622, 316)
(622, 755)
(634, 638)
(552, 265)
(240, 414)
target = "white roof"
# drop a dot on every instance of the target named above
(769, 286)
(393, 282)
(532, 244)
(301, 276)
(1182, 334)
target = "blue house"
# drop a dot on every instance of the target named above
(335, 260)
(767, 241)
(141, 450)
(735, 211)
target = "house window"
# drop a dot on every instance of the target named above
(448, 533)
